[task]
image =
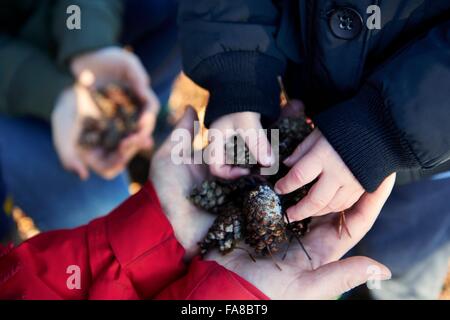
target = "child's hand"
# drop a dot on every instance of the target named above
(244, 124)
(336, 188)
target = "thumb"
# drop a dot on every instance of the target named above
(336, 278)
(76, 165)
(186, 123)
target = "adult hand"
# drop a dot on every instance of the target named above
(174, 181)
(335, 190)
(114, 64)
(329, 277)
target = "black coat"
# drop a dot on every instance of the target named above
(380, 96)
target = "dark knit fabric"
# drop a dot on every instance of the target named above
(240, 81)
(362, 131)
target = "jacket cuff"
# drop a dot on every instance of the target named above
(144, 254)
(207, 280)
(364, 134)
(238, 82)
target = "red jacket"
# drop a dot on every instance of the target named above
(130, 254)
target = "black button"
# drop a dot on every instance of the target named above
(346, 23)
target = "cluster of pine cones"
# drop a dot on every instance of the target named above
(248, 208)
(119, 109)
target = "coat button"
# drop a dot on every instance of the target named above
(345, 23)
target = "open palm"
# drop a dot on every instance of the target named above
(324, 277)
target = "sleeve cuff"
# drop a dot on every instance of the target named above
(207, 280)
(364, 134)
(238, 82)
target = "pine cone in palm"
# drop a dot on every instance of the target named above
(211, 195)
(226, 231)
(119, 110)
(266, 228)
(299, 228)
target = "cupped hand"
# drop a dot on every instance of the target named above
(248, 126)
(173, 182)
(328, 277)
(114, 64)
(336, 188)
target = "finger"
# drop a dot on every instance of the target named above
(333, 279)
(302, 173)
(215, 153)
(107, 167)
(318, 198)
(344, 199)
(324, 240)
(256, 140)
(137, 77)
(228, 172)
(186, 129)
(76, 165)
(294, 108)
(303, 148)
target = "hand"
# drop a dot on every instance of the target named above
(173, 182)
(329, 277)
(66, 120)
(336, 188)
(117, 65)
(248, 126)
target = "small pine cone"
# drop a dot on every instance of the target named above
(91, 136)
(226, 231)
(266, 228)
(237, 153)
(293, 130)
(299, 228)
(211, 195)
(120, 110)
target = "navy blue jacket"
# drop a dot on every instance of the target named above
(380, 96)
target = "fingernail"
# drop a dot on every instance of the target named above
(292, 215)
(277, 190)
(385, 276)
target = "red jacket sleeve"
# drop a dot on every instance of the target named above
(207, 280)
(130, 254)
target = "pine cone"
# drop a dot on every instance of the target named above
(266, 228)
(293, 130)
(299, 228)
(211, 195)
(226, 230)
(237, 153)
(120, 110)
